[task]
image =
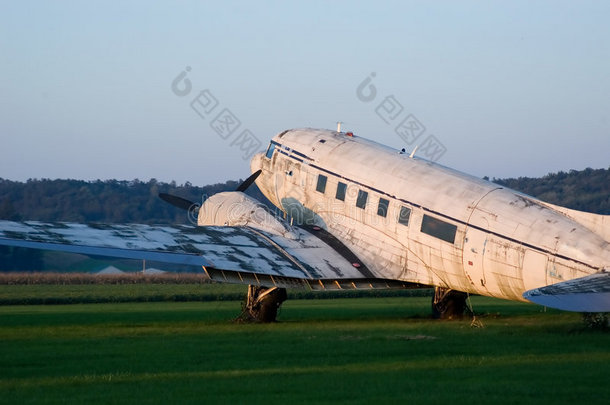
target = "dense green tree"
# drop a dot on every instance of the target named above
(585, 190)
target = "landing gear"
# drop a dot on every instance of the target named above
(448, 303)
(262, 303)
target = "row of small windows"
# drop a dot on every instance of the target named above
(430, 225)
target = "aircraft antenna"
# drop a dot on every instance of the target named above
(339, 126)
(413, 153)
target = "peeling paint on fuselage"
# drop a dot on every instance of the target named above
(504, 244)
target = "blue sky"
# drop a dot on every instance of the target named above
(515, 88)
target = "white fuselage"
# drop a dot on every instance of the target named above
(413, 220)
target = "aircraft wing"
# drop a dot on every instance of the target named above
(585, 294)
(242, 255)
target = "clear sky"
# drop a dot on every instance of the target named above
(511, 88)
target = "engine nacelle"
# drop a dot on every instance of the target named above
(234, 208)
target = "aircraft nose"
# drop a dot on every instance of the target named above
(256, 163)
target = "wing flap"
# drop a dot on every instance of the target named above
(266, 280)
(585, 294)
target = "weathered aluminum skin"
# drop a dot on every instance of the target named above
(506, 243)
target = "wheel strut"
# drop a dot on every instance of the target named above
(448, 303)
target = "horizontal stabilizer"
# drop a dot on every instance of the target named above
(586, 294)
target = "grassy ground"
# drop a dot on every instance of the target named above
(101, 293)
(382, 350)
(88, 289)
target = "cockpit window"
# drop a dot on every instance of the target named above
(270, 150)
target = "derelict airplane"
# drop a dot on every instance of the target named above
(360, 215)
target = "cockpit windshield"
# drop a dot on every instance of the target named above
(270, 150)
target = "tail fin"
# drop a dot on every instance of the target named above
(600, 224)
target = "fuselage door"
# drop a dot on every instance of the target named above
(475, 241)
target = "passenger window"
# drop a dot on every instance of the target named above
(439, 229)
(270, 150)
(382, 208)
(321, 186)
(361, 200)
(341, 187)
(404, 215)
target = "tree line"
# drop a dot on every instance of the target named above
(135, 201)
(584, 190)
(108, 201)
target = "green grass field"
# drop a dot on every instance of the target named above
(382, 350)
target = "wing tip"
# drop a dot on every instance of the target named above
(585, 294)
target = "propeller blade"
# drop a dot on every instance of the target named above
(248, 182)
(179, 202)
